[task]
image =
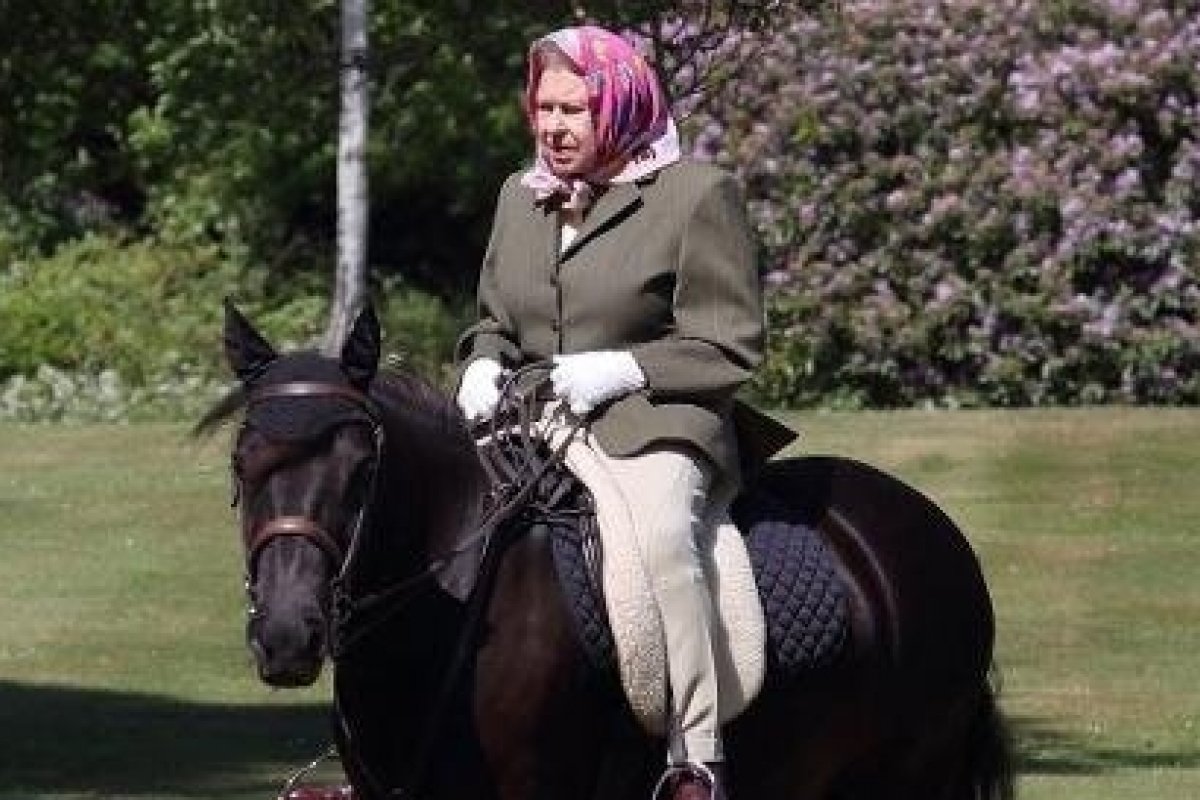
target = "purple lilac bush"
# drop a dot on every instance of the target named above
(975, 202)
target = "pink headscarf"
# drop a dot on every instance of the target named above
(633, 122)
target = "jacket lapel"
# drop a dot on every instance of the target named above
(611, 206)
(543, 222)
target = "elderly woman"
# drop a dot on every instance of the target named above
(634, 270)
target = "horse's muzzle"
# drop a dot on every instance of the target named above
(288, 656)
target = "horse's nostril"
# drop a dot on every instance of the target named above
(285, 640)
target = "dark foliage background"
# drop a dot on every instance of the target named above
(960, 202)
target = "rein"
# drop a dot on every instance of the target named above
(513, 482)
(519, 489)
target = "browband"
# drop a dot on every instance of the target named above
(302, 389)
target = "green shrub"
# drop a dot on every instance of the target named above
(106, 329)
(419, 328)
(100, 303)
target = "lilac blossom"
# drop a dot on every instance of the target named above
(1013, 179)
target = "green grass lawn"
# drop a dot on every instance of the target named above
(122, 666)
(123, 671)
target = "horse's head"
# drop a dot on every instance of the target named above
(304, 464)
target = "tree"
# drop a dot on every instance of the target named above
(350, 278)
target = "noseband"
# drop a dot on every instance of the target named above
(258, 537)
(296, 525)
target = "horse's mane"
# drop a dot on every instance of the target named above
(415, 408)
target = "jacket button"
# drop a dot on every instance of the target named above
(556, 326)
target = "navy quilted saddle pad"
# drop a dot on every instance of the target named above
(803, 596)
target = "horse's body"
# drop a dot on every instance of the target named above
(905, 712)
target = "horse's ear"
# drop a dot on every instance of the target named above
(360, 353)
(246, 350)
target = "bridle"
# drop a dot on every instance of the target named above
(257, 537)
(355, 616)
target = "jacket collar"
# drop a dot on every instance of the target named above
(613, 205)
(609, 208)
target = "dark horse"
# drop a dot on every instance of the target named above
(358, 488)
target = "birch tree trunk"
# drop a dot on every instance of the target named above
(350, 278)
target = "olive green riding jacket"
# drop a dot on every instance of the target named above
(665, 268)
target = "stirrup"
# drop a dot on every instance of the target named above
(665, 788)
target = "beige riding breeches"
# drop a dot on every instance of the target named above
(667, 491)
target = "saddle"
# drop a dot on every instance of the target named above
(803, 598)
(792, 579)
(780, 604)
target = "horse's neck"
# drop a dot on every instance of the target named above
(432, 499)
(453, 507)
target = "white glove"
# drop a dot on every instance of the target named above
(585, 380)
(478, 393)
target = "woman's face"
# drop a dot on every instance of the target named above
(563, 122)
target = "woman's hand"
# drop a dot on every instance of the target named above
(478, 393)
(587, 380)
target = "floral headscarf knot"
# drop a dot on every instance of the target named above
(635, 134)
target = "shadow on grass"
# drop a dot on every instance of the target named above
(61, 739)
(1043, 749)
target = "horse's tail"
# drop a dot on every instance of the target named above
(988, 773)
